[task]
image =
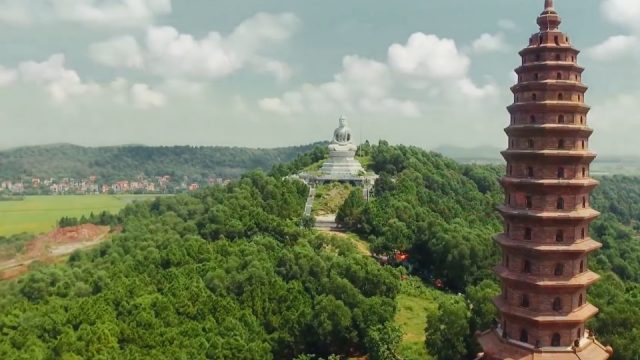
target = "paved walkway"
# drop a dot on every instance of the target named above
(310, 199)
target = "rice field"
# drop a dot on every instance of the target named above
(39, 214)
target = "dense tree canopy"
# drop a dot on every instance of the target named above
(224, 274)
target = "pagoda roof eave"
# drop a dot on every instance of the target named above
(584, 246)
(582, 214)
(577, 317)
(580, 281)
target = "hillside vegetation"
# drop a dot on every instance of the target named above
(128, 162)
(442, 214)
(222, 274)
(227, 273)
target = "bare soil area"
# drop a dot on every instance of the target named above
(50, 247)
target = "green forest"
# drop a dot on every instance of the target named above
(229, 273)
(128, 162)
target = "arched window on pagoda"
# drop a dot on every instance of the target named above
(524, 336)
(527, 234)
(537, 57)
(540, 41)
(559, 76)
(560, 173)
(532, 118)
(560, 119)
(530, 143)
(583, 144)
(524, 301)
(561, 144)
(556, 40)
(581, 266)
(559, 236)
(558, 57)
(555, 340)
(584, 202)
(526, 267)
(560, 204)
(584, 172)
(534, 97)
(560, 97)
(581, 119)
(530, 171)
(528, 202)
(557, 304)
(580, 300)
(536, 76)
(559, 270)
(582, 233)
(510, 170)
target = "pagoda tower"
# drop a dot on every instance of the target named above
(544, 272)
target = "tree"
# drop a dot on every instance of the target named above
(448, 329)
(382, 342)
(350, 213)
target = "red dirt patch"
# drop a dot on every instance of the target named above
(47, 248)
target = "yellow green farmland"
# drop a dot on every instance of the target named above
(38, 214)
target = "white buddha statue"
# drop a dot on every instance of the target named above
(342, 163)
(342, 140)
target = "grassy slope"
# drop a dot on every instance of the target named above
(330, 197)
(37, 214)
(414, 302)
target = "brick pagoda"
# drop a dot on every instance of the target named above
(545, 244)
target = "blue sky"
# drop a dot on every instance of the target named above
(280, 72)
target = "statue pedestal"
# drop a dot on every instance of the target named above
(342, 162)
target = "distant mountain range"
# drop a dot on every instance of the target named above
(116, 162)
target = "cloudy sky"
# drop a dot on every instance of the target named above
(280, 72)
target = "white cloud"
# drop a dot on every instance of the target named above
(118, 52)
(430, 56)
(278, 69)
(169, 53)
(623, 12)
(7, 76)
(143, 97)
(614, 47)
(488, 43)
(262, 31)
(275, 105)
(89, 12)
(507, 24)
(60, 82)
(63, 85)
(426, 71)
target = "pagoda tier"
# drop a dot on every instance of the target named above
(545, 243)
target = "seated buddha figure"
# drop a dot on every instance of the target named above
(342, 137)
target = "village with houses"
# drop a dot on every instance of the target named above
(93, 185)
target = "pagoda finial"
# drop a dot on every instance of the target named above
(548, 4)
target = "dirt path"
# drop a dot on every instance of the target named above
(53, 246)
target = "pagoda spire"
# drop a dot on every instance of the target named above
(549, 20)
(548, 4)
